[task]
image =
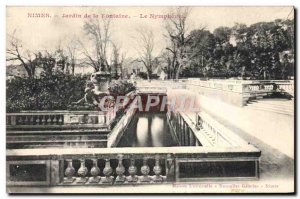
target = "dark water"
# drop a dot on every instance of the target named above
(148, 130)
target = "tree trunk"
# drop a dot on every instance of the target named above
(73, 68)
(177, 72)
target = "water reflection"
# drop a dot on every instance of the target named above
(147, 130)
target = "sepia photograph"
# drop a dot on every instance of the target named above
(150, 99)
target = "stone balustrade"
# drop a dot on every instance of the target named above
(182, 131)
(161, 84)
(30, 118)
(237, 92)
(38, 129)
(116, 166)
(202, 131)
(116, 173)
(218, 134)
(52, 118)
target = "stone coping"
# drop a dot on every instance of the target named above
(53, 112)
(132, 150)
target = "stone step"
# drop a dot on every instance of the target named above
(279, 111)
(272, 106)
(286, 103)
(57, 132)
(56, 144)
(12, 138)
(54, 141)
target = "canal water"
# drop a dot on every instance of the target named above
(148, 130)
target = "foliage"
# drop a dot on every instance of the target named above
(54, 92)
(253, 51)
(120, 88)
(144, 75)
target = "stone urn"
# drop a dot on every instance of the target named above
(100, 81)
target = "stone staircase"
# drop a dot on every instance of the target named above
(56, 138)
(279, 106)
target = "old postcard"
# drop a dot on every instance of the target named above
(150, 99)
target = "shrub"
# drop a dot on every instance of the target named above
(120, 87)
(55, 92)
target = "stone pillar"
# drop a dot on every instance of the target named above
(192, 138)
(187, 135)
(182, 132)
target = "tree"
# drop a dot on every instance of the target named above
(98, 32)
(178, 35)
(117, 60)
(47, 62)
(72, 51)
(167, 62)
(145, 41)
(200, 47)
(16, 52)
(222, 34)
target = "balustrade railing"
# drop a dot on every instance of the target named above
(184, 132)
(117, 174)
(50, 118)
(217, 133)
(202, 131)
(110, 166)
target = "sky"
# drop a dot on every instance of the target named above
(47, 33)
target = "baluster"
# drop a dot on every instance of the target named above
(32, 119)
(95, 170)
(120, 170)
(13, 120)
(54, 119)
(132, 172)
(69, 172)
(145, 169)
(43, 119)
(48, 121)
(90, 120)
(60, 119)
(157, 170)
(107, 171)
(26, 120)
(37, 119)
(20, 120)
(82, 171)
